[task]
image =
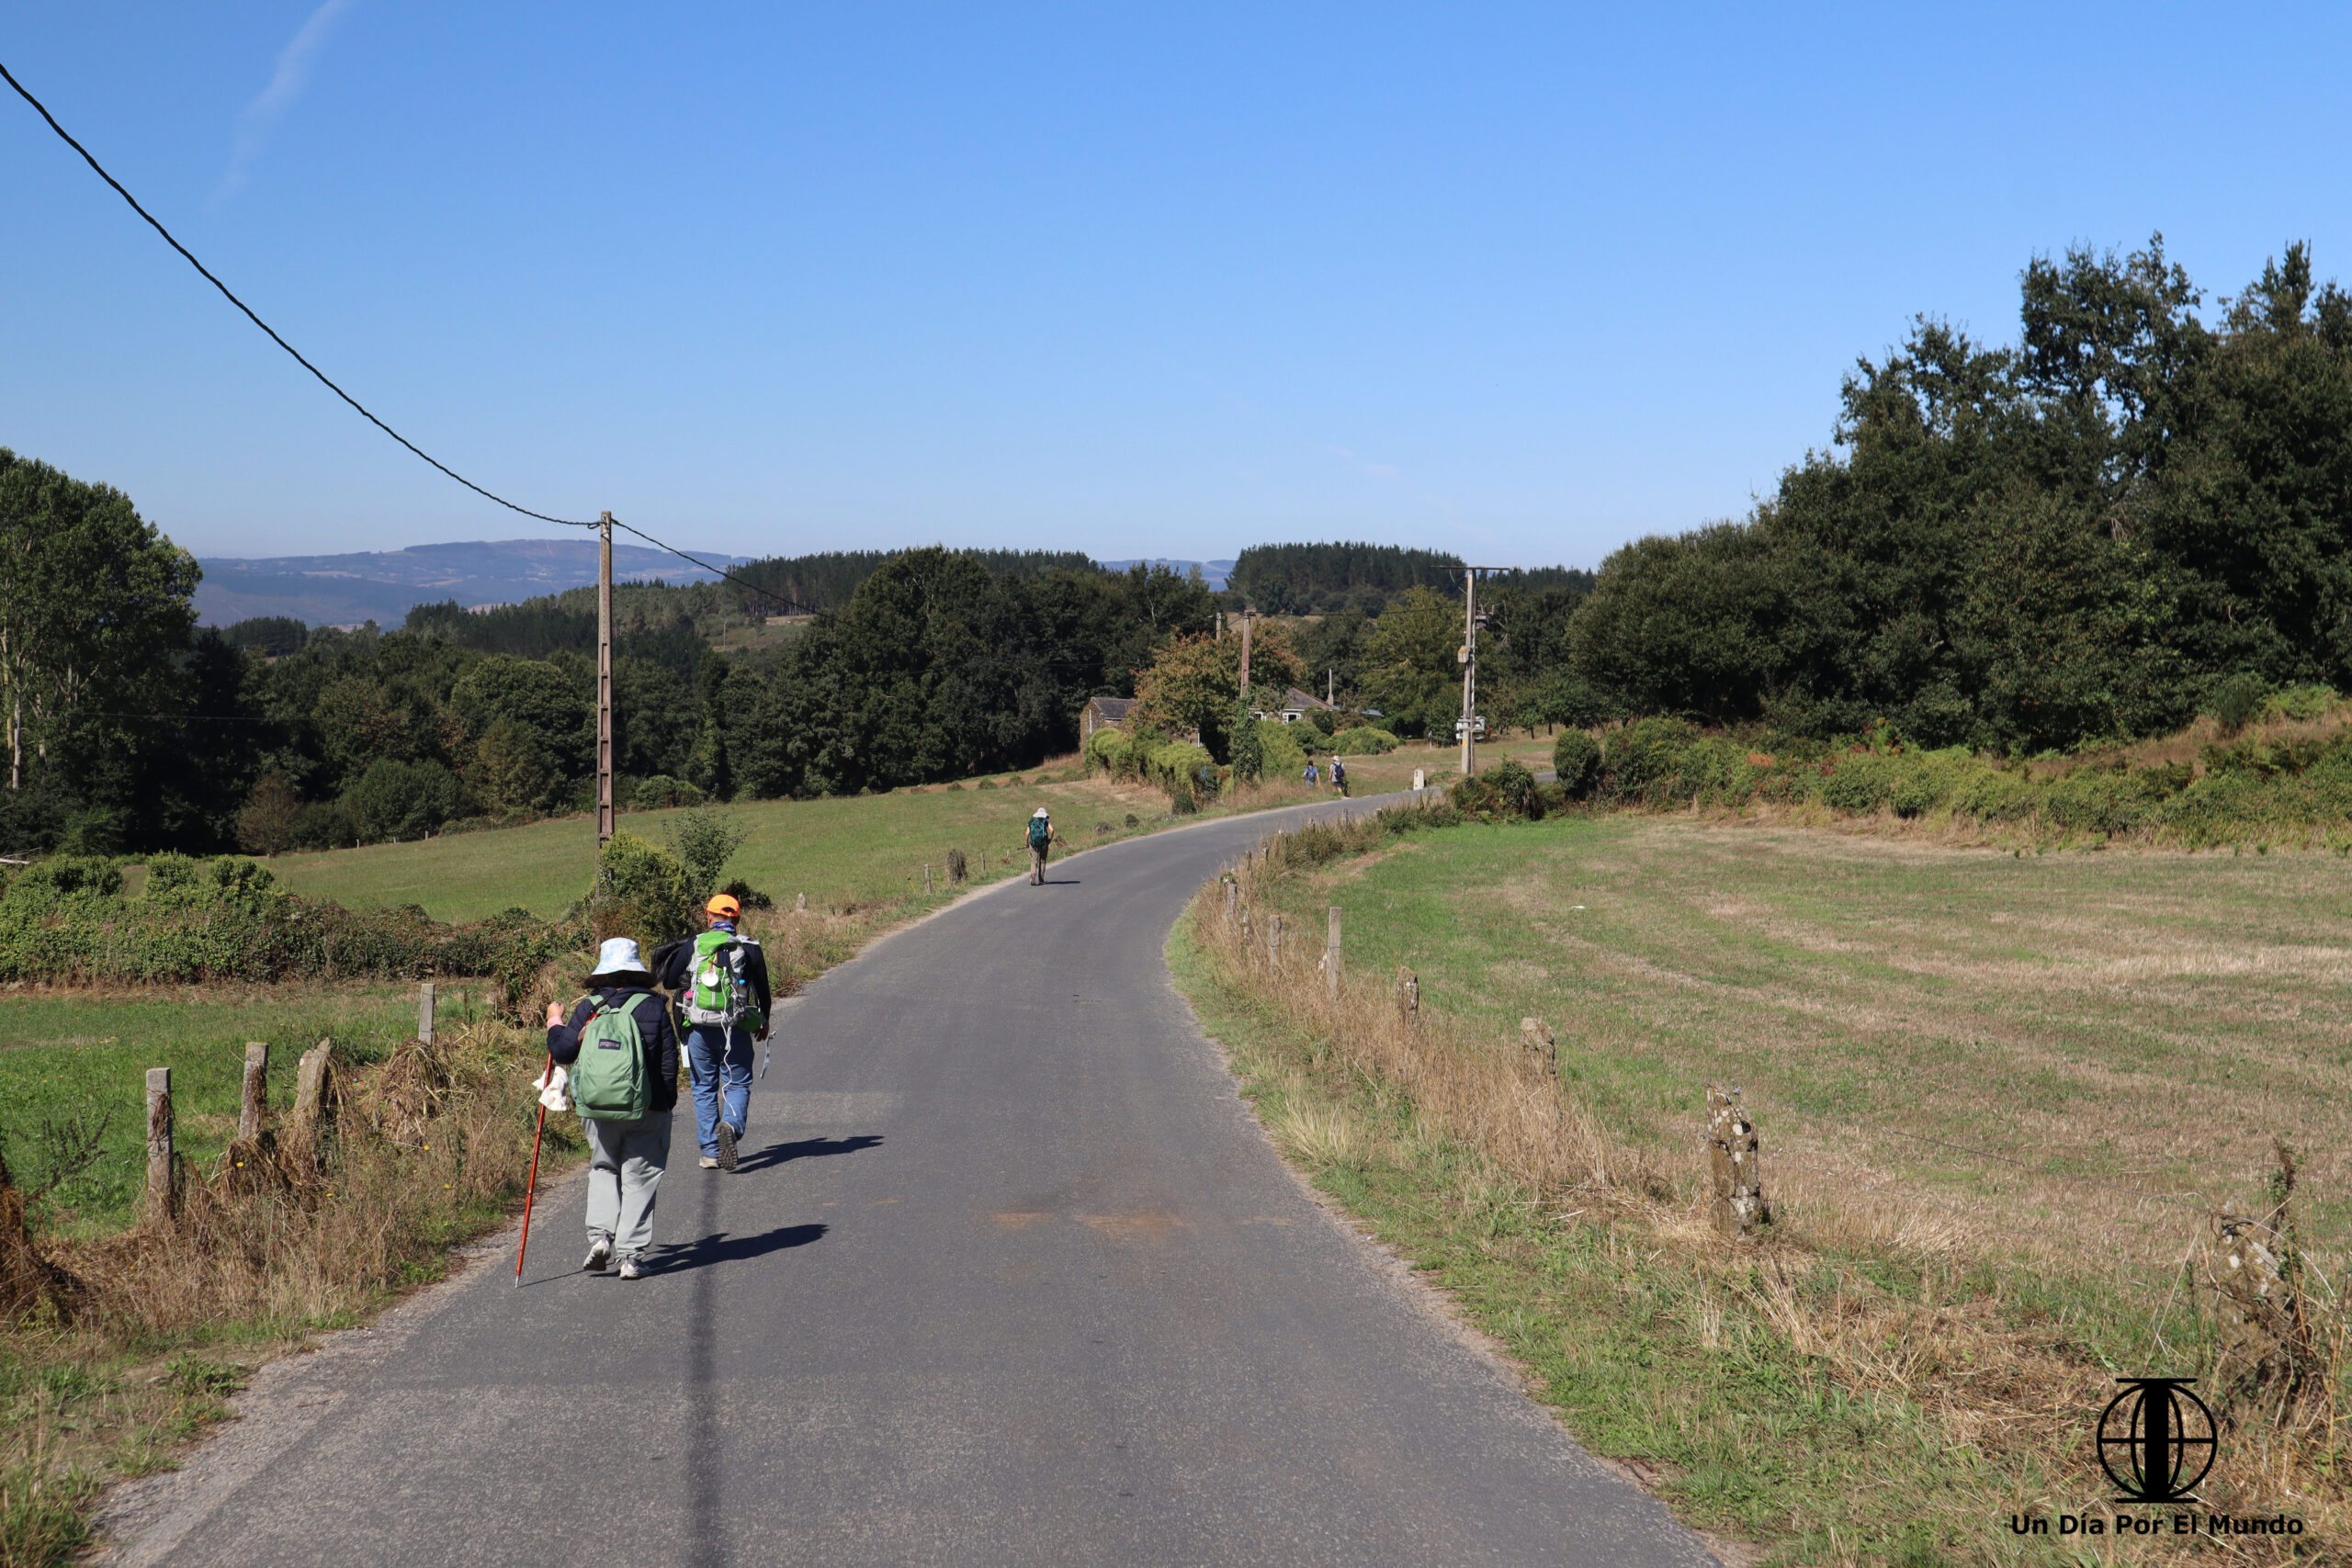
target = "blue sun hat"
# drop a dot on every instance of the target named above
(618, 963)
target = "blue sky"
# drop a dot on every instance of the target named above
(1518, 282)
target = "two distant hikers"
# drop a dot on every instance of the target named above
(722, 978)
(1041, 839)
(623, 1058)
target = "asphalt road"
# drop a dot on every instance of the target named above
(1008, 1276)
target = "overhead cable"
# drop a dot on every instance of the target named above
(42, 109)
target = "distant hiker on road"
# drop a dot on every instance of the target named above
(723, 978)
(1340, 776)
(1041, 839)
(624, 1060)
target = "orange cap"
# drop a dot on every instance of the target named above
(723, 904)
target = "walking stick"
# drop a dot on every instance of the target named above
(531, 1187)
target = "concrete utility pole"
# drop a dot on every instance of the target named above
(605, 685)
(1469, 669)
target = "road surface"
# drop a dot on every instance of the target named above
(1008, 1276)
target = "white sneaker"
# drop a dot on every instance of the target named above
(600, 1255)
(631, 1269)
(708, 1163)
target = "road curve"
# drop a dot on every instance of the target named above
(1008, 1276)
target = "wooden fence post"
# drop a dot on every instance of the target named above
(926, 878)
(162, 1187)
(1331, 956)
(425, 1013)
(1274, 944)
(1538, 1040)
(254, 1106)
(1232, 896)
(1408, 997)
(311, 1086)
(801, 908)
(1737, 1155)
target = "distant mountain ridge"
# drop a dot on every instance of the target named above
(380, 585)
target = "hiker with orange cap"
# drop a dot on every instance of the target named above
(722, 977)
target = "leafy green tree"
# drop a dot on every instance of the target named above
(1410, 669)
(96, 608)
(395, 800)
(541, 700)
(512, 772)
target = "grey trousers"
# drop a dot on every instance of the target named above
(625, 1161)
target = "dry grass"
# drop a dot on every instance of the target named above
(1981, 1319)
(100, 1374)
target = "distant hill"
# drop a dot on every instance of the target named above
(381, 586)
(1215, 571)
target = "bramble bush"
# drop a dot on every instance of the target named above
(68, 920)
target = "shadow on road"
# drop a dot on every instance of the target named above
(806, 1148)
(723, 1248)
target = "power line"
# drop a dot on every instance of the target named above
(42, 109)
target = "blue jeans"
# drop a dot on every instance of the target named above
(716, 1053)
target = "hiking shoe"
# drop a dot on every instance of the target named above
(600, 1255)
(631, 1269)
(726, 1146)
(708, 1163)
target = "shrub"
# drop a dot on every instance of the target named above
(642, 890)
(266, 824)
(1363, 740)
(1279, 750)
(1506, 789)
(1646, 752)
(660, 791)
(324, 825)
(704, 842)
(751, 897)
(396, 800)
(2237, 699)
(1576, 759)
(1249, 747)
(1324, 720)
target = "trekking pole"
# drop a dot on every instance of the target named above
(531, 1187)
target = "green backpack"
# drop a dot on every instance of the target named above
(1041, 832)
(721, 991)
(609, 1081)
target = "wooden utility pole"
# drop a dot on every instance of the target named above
(605, 685)
(1244, 656)
(1469, 669)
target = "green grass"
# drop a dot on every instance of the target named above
(67, 1056)
(867, 849)
(2151, 1019)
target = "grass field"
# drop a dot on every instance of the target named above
(74, 1055)
(1921, 1344)
(867, 851)
(2152, 1021)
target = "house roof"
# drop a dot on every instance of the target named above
(1294, 698)
(1112, 707)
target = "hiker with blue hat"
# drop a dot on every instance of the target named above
(623, 1059)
